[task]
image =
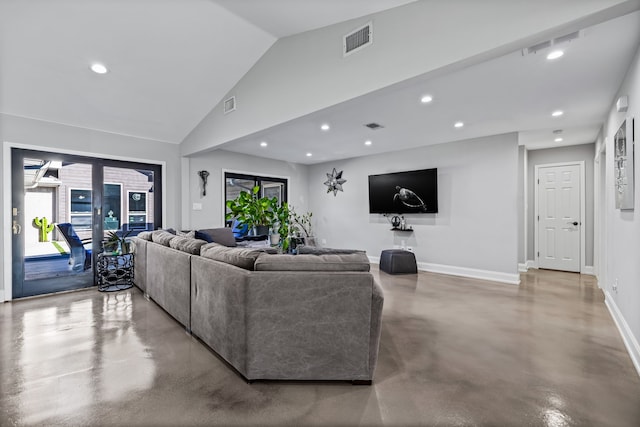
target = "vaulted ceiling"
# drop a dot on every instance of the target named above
(171, 62)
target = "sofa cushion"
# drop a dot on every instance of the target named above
(314, 250)
(240, 257)
(222, 236)
(328, 262)
(162, 237)
(185, 244)
(145, 235)
(190, 234)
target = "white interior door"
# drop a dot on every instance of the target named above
(559, 217)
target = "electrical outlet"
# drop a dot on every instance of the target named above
(324, 241)
(615, 285)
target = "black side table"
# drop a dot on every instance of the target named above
(115, 272)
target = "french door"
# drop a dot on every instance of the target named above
(63, 207)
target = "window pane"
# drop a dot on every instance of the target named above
(130, 195)
(81, 201)
(81, 222)
(273, 189)
(112, 206)
(234, 186)
(138, 202)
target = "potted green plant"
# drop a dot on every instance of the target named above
(254, 211)
(281, 225)
(301, 223)
(115, 243)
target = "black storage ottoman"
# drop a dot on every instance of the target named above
(398, 261)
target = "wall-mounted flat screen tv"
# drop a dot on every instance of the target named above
(404, 192)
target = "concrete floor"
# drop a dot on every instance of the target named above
(453, 352)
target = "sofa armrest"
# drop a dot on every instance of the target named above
(140, 268)
(309, 325)
(218, 308)
(169, 281)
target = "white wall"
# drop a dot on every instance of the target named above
(622, 238)
(304, 73)
(215, 162)
(475, 231)
(583, 152)
(56, 137)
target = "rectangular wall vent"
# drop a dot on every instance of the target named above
(553, 42)
(230, 105)
(358, 39)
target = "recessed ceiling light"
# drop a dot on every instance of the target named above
(325, 127)
(309, 154)
(458, 124)
(557, 113)
(558, 140)
(367, 142)
(263, 144)
(555, 54)
(98, 68)
(426, 99)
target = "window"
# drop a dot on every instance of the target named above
(269, 186)
(137, 210)
(80, 208)
(112, 206)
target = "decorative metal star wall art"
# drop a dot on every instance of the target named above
(334, 182)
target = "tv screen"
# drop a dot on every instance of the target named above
(404, 192)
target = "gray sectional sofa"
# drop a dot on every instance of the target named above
(314, 316)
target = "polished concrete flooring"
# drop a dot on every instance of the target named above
(454, 352)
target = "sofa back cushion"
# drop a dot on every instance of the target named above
(223, 236)
(145, 235)
(240, 257)
(162, 237)
(314, 250)
(185, 244)
(357, 261)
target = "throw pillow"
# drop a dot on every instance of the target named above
(190, 234)
(162, 237)
(185, 244)
(223, 236)
(146, 235)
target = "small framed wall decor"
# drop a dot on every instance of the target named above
(623, 164)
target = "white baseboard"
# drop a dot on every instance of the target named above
(630, 341)
(522, 267)
(531, 264)
(1, 295)
(588, 269)
(495, 276)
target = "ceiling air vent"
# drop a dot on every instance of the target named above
(358, 39)
(553, 42)
(230, 105)
(374, 126)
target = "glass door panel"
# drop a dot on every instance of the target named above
(129, 203)
(52, 233)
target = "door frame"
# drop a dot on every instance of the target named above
(600, 214)
(6, 294)
(536, 212)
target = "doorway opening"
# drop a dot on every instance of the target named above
(63, 208)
